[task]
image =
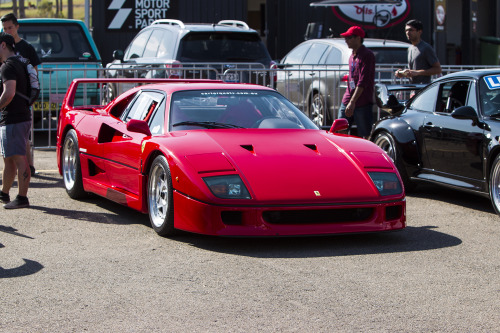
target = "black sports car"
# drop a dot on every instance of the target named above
(447, 133)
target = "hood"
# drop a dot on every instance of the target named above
(296, 166)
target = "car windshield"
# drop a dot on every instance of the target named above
(490, 95)
(58, 42)
(223, 47)
(198, 109)
(390, 55)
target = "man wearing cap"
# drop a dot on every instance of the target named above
(15, 123)
(357, 102)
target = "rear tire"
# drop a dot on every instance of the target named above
(385, 141)
(318, 110)
(71, 168)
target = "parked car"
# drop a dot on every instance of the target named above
(314, 75)
(225, 159)
(448, 134)
(67, 51)
(193, 50)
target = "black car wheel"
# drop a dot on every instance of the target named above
(494, 184)
(160, 197)
(385, 141)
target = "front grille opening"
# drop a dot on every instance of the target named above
(393, 212)
(232, 217)
(318, 216)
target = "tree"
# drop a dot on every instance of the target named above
(70, 9)
(22, 14)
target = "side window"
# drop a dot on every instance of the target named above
(472, 100)
(315, 53)
(452, 95)
(297, 54)
(143, 106)
(334, 57)
(153, 44)
(136, 48)
(426, 101)
(165, 48)
(157, 120)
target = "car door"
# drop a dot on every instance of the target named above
(122, 148)
(454, 146)
(289, 77)
(313, 78)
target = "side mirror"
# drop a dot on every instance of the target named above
(465, 112)
(118, 55)
(138, 126)
(339, 125)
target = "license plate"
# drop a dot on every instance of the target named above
(231, 77)
(46, 106)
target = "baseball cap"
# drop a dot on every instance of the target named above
(8, 39)
(354, 31)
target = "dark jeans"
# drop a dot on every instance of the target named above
(363, 118)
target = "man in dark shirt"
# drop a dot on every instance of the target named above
(25, 50)
(422, 59)
(357, 103)
(15, 123)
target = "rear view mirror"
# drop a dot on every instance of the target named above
(339, 125)
(138, 126)
(118, 55)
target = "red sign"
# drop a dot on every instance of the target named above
(373, 16)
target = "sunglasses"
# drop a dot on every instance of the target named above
(350, 37)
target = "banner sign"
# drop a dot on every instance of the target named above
(440, 14)
(373, 16)
(137, 14)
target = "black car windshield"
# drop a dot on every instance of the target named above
(201, 109)
(223, 47)
(58, 42)
(490, 95)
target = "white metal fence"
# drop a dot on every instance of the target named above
(316, 90)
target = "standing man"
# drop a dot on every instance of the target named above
(25, 50)
(357, 103)
(422, 59)
(15, 124)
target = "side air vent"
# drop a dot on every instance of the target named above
(249, 148)
(312, 147)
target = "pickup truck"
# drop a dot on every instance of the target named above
(67, 51)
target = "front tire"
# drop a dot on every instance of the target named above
(160, 197)
(494, 184)
(385, 141)
(71, 168)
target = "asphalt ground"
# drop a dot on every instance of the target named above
(96, 266)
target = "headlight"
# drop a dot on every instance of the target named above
(387, 183)
(227, 187)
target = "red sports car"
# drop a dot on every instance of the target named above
(225, 159)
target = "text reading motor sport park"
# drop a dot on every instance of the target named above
(144, 12)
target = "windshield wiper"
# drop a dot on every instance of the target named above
(206, 124)
(495, 115)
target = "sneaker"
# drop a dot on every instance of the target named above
(4, 197)
(32, 168)
(19, 202)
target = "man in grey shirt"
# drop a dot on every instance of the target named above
(422, 59)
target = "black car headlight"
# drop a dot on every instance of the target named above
(227, 187)
(387, 183)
